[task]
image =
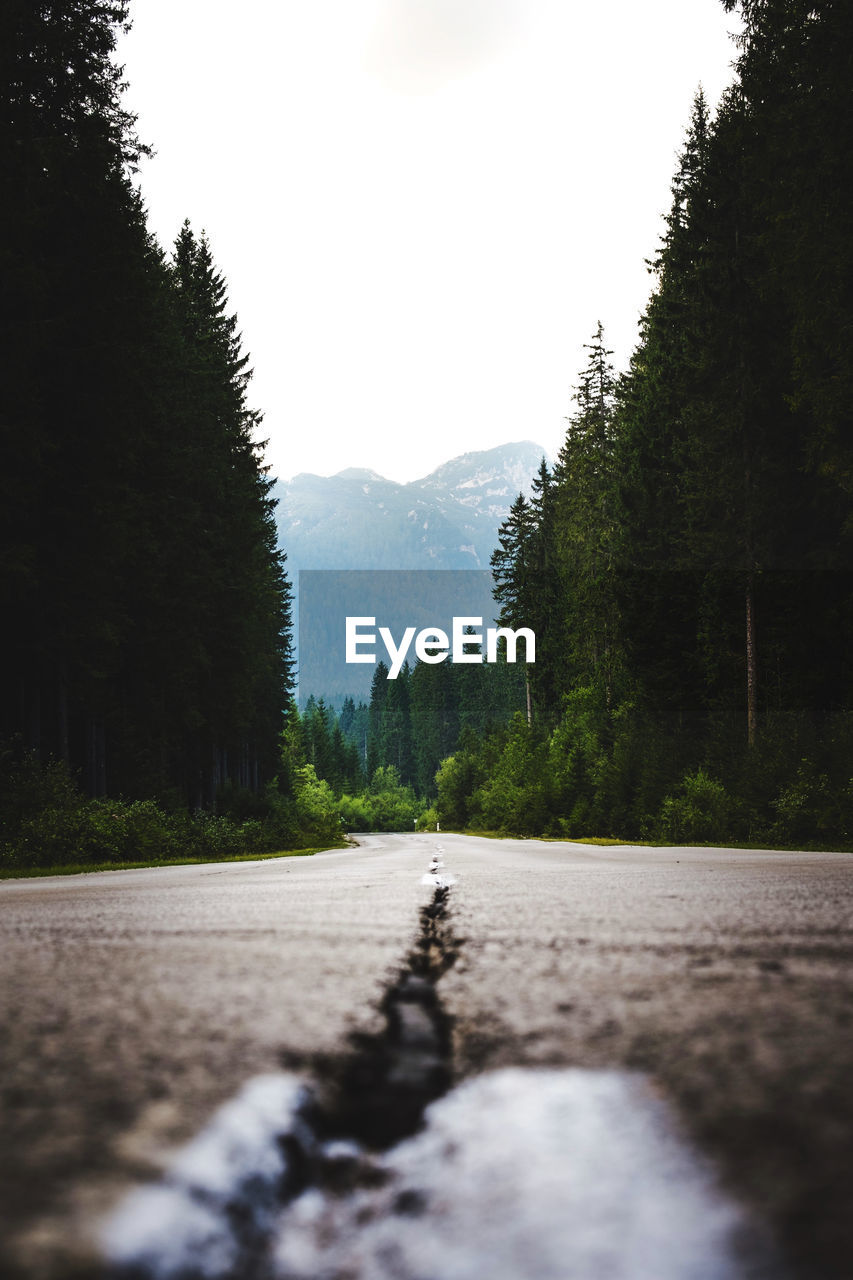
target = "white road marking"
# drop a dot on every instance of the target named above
(433, 875)
(237, 1162)
(541, 1174)
(545, 1175)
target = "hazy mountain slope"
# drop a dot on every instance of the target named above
(446, 520)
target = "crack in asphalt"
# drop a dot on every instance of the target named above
(383, 1088)
(213, 1218)
(365, 1170)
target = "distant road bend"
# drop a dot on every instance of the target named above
(635, 1063)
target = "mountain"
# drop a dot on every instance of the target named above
(358, 520)
(446, 520)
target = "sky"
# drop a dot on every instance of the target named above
(422, 208)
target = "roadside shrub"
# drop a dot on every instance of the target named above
(387, 805)
(428, 821)
(211, 836)
(316, 809)
(513, 798)
(46, 822)
(137, 832)
(811, 810)
(52, 837)
(356, 812)
(699, 812)
(30, 788)
(92, 832)
(457, 779)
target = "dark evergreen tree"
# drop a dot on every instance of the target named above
(395, 739)
(72, 248)
(151, 640)
(435, 712)
(585, 520)
(378, 696)
(513, 564)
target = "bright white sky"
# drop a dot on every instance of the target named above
(422, 207)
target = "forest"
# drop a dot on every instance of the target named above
(146, 641)
(377, 762)
(685, 564)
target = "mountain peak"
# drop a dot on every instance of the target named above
(521, 453)
(360, 473)
(449, 519)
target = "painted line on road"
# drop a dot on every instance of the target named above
(387, 1175)
(541, 1174)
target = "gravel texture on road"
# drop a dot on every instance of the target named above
(136, 1003)
(133, 1003)
(727, 975)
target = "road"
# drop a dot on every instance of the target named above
(134, 1003)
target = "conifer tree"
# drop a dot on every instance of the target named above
(585, 518)
(513, 564)
(151, 638)
(395, 733)
(378, 696)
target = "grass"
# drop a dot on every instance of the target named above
(28, 873)
(745, 845)
(594, 840)
(507, 835)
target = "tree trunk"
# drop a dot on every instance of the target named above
(62, 715)
(751, 677)
(31, 715)
(95, 772)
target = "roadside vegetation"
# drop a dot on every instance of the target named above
(48, 823)
(146, 639)
(686, 562)
(616, 781)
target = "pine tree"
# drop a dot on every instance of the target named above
(658, 583)
(514, 570)
(240, 607)
(512, 564)
(378, 695)
(395, 734)
(79, 382)
(585, 519)
(151, 638)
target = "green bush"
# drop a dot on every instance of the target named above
(212, 836)
(49, 838)
(428, 820)
(387, 805)
(29, 785)
(513, 798)
(700, 812)
(316, 809)
(46, 822)
(92, 832)
(357, 812)
(810, 809)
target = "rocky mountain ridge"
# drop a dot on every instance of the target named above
(448, 519)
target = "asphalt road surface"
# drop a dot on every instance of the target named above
(135, 1003)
